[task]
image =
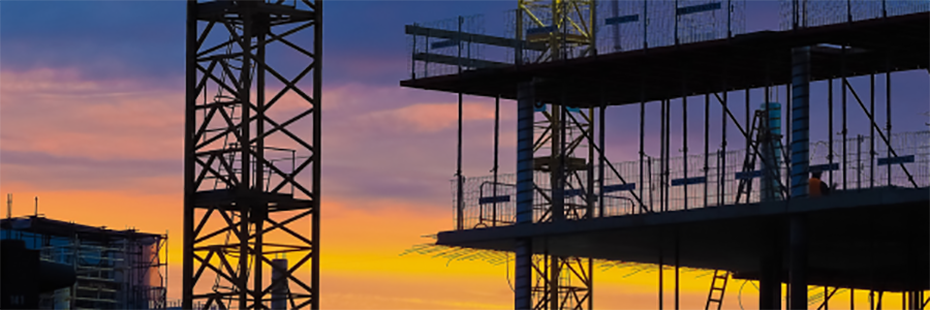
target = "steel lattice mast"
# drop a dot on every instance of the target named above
(252, 179)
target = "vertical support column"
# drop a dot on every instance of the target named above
(642, 152)
(770, 276)
(797, 272)
(888, 114)
(523, 248)
(459, 186)
(830, 130)
(723, 148)
(523, 277)
(497, 123)
(800, 109)
(872, 126)
(318, 154)
(684, 149)
(844, 131)
(662, 146)
(525, 101)
(706, 144)
(601, 159)
(187, 264)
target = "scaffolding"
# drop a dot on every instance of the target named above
(568, 201)
(115, 269)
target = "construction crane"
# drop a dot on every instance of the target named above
(251, 178)
(566, 27)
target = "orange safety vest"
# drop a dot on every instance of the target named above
(813, 187)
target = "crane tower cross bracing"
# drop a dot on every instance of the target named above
(252, 154)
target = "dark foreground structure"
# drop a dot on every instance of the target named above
(742, 209)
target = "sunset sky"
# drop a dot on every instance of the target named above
(92, 123)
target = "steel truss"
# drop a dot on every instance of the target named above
(252, 179)
(566, 27)
(563, 282)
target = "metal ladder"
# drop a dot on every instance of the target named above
(758, 136)
(749, 162)
(720, 277)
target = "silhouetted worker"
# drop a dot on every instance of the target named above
(817, 187)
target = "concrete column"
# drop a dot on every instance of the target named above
(523, 273)
(770, 271)
(800, 123)
(797, 269)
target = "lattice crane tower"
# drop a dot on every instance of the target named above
(252, 154)
(566, 26)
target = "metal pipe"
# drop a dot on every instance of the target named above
(723, 148)
(662, 146)
(872, 130)
(600, 168)
(830, 129)
(706, 143)
(684, 142)
(888, 117)
(589, 213)
(642, 154)
(459, 187)
(497, 123)
(858, 161)
(845, 130)
(460, 205)
(668, 152)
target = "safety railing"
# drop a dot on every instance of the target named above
(813, 13)
(583, 29)
(487, 203)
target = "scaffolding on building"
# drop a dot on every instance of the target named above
(116, 269)
(629, 54)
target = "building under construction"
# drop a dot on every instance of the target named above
(738, 167)
(114, 269)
